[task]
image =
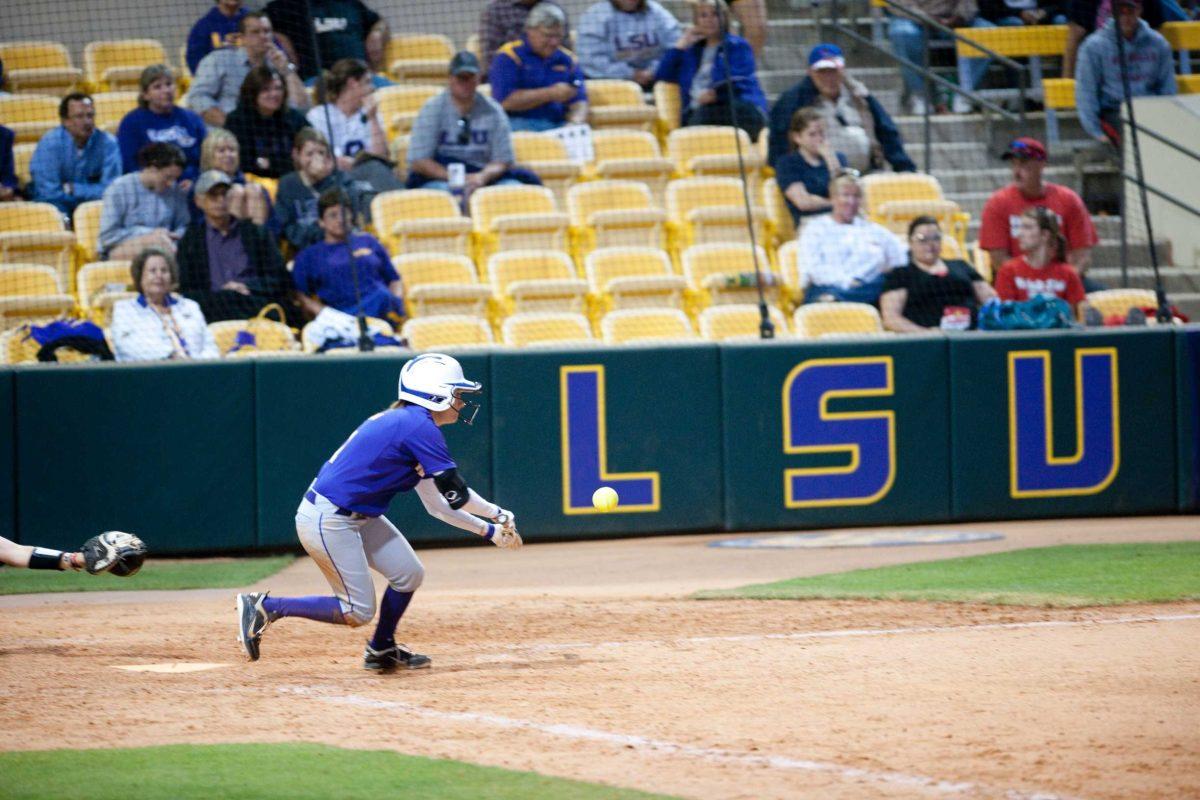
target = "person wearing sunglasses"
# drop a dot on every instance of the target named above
(460, 126)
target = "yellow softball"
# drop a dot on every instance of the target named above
(605, 498)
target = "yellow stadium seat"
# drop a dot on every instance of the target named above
(702, 210)
(22, 155)
(613, 214)
(895, 215)
(111, 108)
(884, 187)
(1015, 42)
(113, 66)
(86, 222)
(631, 325)
(794, 279)
(1058, 94)
(268, 335)
(441, 283)
(18, 347)
(419, 57)
(739, 321)
(1110, 302)
(39, 67)
(535, 280)
(29, 115)
(34, 232)
(447, 332)
(724, 273)
(399, 106)
(100, 285)
(309, 343)
(632, 277)
(420, 221)
(516, 218)
(631, 155)
(618, 104)
(399, 151)
(779, 216)
(547, 156)
(669, 104)
(30, 292)
(1188, 84)
(546, 328)
(817, 320)
(712, 150)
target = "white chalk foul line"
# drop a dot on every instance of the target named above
(646, 744)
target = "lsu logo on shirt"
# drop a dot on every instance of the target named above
(176, 134)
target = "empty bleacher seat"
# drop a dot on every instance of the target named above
(618, 104)
(614, 213)
(817, 320)
(116, 65)
(441, 283)
(631, 325)
(39, 67)
(420, 220)
(739, 321)
(35, 232)
(515, 218)
(446, 332)
(632, 277)
(29, 116)
(546, 328)
(536, 280)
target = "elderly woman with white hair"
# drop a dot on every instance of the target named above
(537, 82)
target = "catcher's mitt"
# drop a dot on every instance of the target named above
(114, 551)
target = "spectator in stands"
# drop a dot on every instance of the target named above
(8, 171)
(846, 256)
(74, 162)
(147, 208)
(460, 126)
(1006, 14)
(1148, 69)
(917, 296)
(625, 39)
(217, 87)
(158, 119)
(216, 29)
(158, 324)
(804, 174)
(344, 29)
(1042, 267)
(1001, 217)
(855, 122)
(537, 82)
(246, 200)
(296, 200)
(351, 119)
(751, 15)
(348, 271)
(264, 124)
(503, 21)
(231, 267)
(910, 40)
(1086, 16)
(715, 69)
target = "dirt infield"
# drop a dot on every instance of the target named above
(584, 660)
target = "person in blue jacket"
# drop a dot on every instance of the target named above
(74, 162)
(216, 29)
(713, 69)
(158, 119)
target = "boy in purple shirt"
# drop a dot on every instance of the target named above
(340, 521)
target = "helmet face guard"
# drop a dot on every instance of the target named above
(470, 408)
(434, 381)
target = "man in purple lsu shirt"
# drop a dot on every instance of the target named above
(340, 521)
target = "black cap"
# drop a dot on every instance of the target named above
(464, 61)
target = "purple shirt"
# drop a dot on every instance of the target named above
(227, 259)
(381, 458)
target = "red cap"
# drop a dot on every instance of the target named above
(1026, 147)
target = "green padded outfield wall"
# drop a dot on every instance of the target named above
(820, 435)
(645, 421)
(1187, 384)
(306, 407)
(166, 451)
(8, 455)
(1078, 424)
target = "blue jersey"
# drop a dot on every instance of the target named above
(326, 270)
(516, 66)
(381, 458)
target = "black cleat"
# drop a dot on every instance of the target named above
(252, 621)
(395, 657)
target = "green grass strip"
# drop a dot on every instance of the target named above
(266, 771)
(155, 574)
(1069, 575)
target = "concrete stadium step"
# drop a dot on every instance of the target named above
(996, 131)
(1107, 227)
(1176, 281)
(953, 156)
(1107, 254)
(971, 181)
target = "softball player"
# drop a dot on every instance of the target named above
(340, 521)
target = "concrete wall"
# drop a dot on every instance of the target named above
(1166, 169)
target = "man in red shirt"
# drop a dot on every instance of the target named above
(1002, 212)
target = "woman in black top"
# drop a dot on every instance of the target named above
(915, 297)
(264, 124)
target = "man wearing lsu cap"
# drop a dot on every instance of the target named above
(855, 122)
(1002, 212)
(460, 126)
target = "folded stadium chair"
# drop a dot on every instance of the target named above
(399, 151)
(309, 343)
(86, 222)
(668, 102)
(618, 104)
(703, 210)
(717, 274)
(981, 259)
(116, 65)
(100, 284)
(447, 332)
(634, 156)
(420, 221)
(613, 214)
(535, 280)
(780, 226)
(712, 150)
(111, 108)
(795, 281)
(547, 156)
(516, 218)
(632, 277)
(895, 215)
(883, 188)
(818, 320)
(419, 57)
(268, 335)
(546, 328)
(29, 115)
(22, 155)
(399, 105)
(629, 325)
(1184, 37)
(739, 321)
(34, 232)
(1117, 302)
(441, 283)
(31, 292)
(39, 68)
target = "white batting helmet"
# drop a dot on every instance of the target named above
(431, 380)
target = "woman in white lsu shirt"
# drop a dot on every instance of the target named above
(351, 119)
(158, 324)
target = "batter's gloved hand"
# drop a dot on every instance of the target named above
(505, 517)
(117, 552)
